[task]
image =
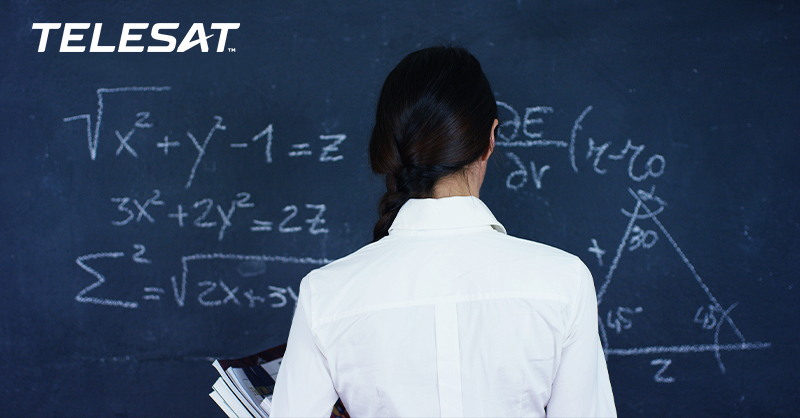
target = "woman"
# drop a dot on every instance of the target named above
(443, 314)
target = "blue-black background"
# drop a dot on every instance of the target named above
(699, 303)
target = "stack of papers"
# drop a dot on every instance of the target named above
(244, 389)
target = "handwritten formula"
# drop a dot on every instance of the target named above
(212, 217)
(216, 279)
(520, 135)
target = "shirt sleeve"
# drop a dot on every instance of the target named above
(581, 387)
(304, 387)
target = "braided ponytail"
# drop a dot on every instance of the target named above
(388, 206)
(433, 118)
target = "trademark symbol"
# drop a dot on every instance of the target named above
(231, 49)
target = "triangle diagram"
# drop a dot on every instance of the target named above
(662, 306)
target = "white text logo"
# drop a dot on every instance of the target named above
(71, 37)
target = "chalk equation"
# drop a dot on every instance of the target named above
(201, 280)
(643, 231)
(211, 279)
(634, 315)
(206, 214)
(526, 132)
(636, 309)
(324, 148)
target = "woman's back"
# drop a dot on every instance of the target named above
(449, 316)
(443, 314)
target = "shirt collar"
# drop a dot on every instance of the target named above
(456, 212)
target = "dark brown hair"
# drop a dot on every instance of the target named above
(434, 117)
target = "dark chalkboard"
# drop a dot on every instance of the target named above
(159, 209)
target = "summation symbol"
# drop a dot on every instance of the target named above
(622, 320)
(211, 293)
(82, 295)
(152, 293)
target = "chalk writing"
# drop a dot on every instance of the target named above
(317, 220)
(252, 298)
(153, 293)
(328, 147)
(521, 174)
(210, 293)
(538, 154)
(81, 296)
(655, 160)
(93, 140)
(332, 148)
(508, 139)
(329, 152)
(268, 149)
(179, 214)
(636, 237)
(531, 127)
(141, 208)
(137, 257)
(642, 238)
(292, 209)
(179, 290)
(230, 294)
(659, 376)
(302, 150)
(167, 144)
(622, 319)
(123, 143)
(577, 126)
(280, 293)
(597, 251)
(201, 150)
(205, 213)
(598, 153)
(519, 177)
(124, 140)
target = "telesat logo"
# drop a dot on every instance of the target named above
(195, 36)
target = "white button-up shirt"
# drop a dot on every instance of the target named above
(446, 316)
